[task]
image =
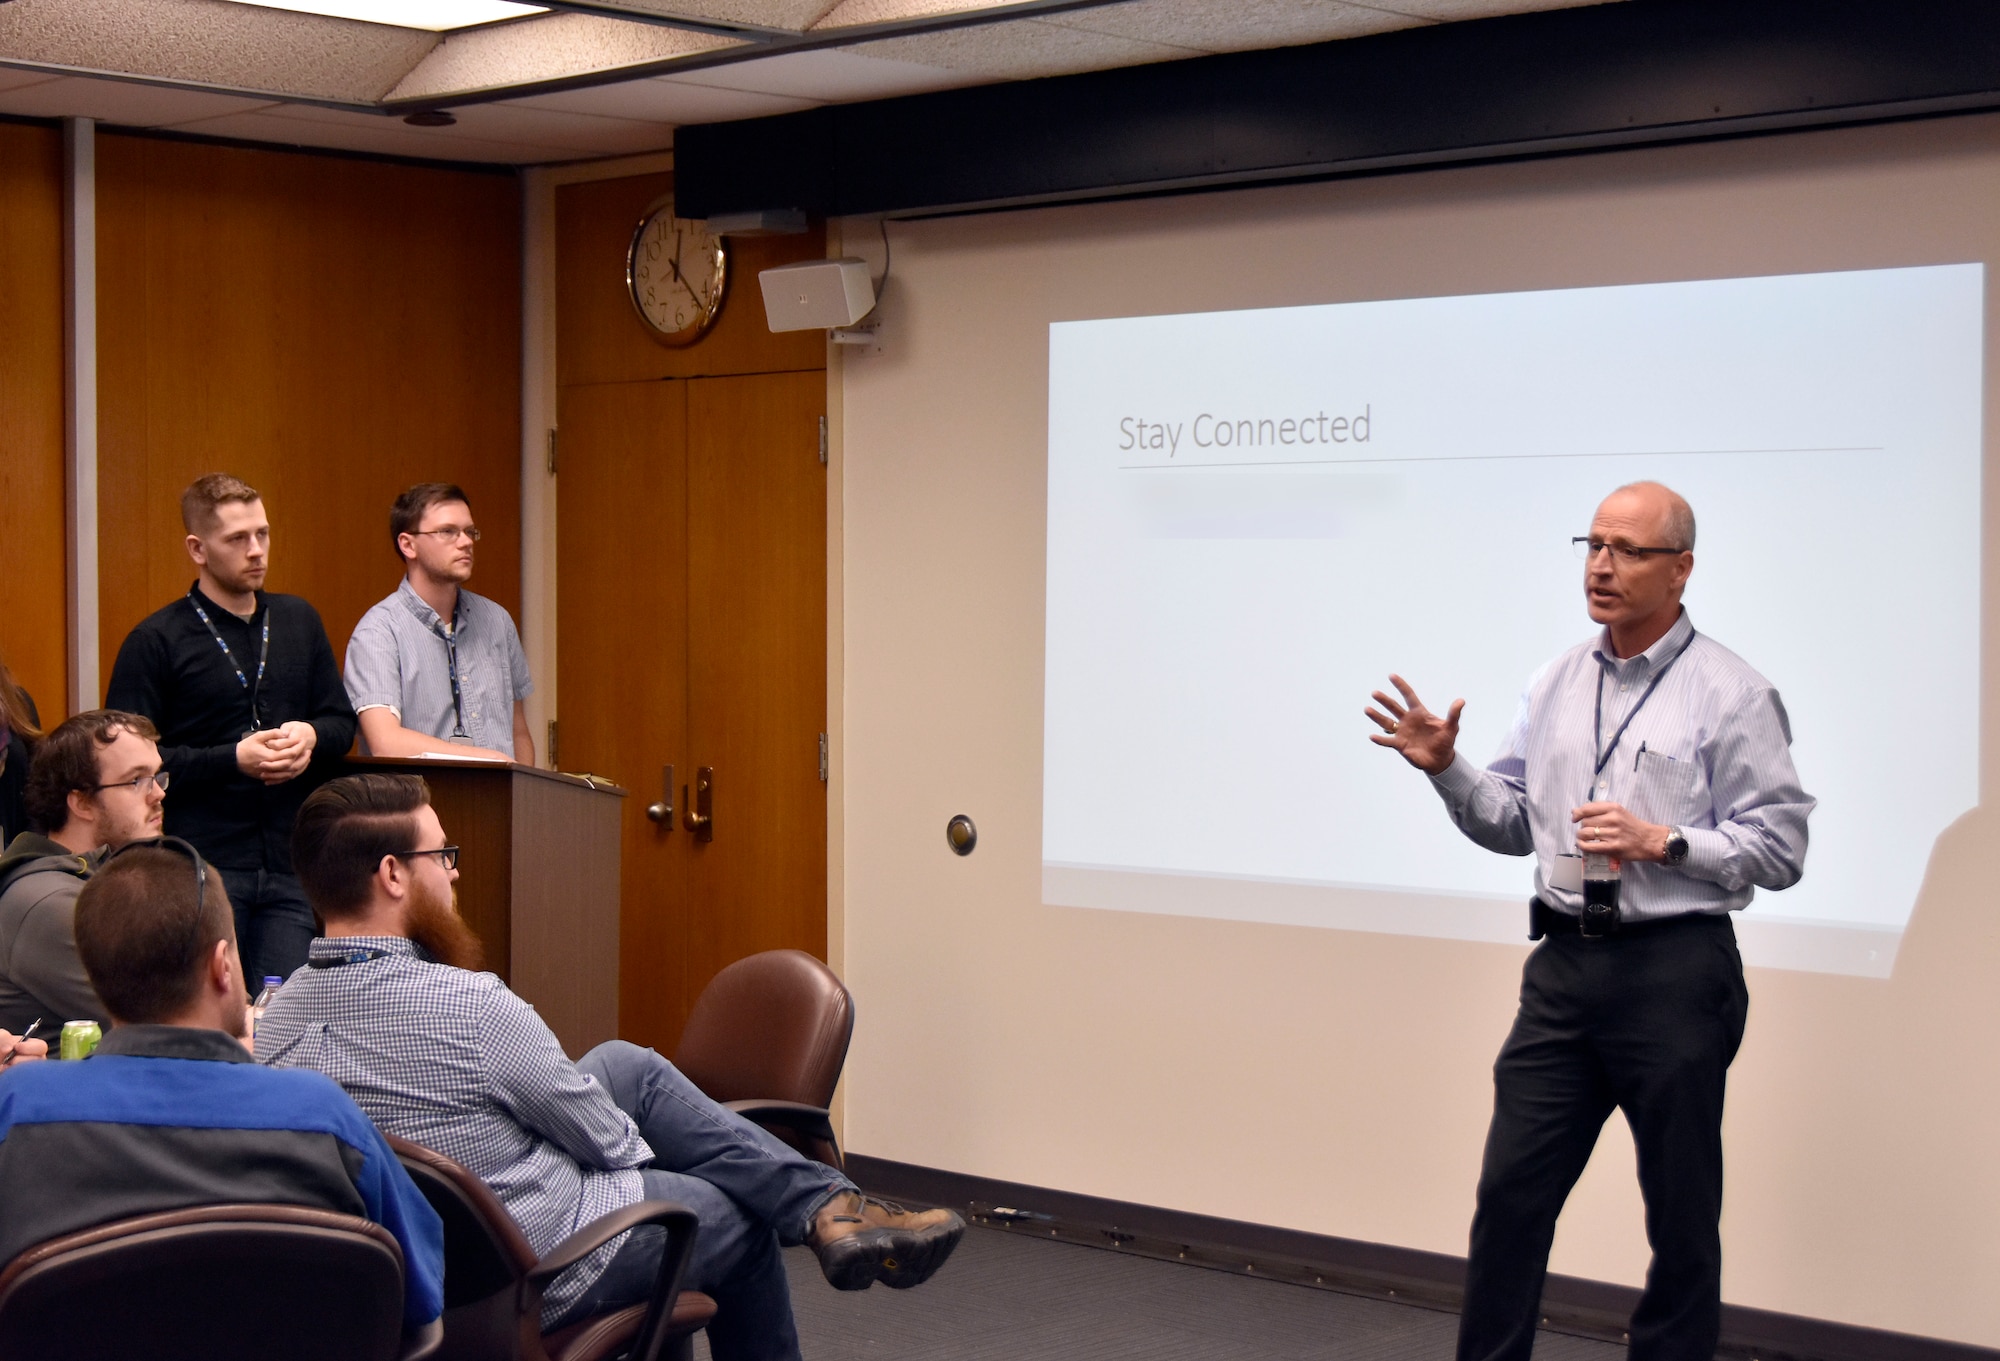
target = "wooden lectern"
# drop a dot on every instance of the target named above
(537, 880)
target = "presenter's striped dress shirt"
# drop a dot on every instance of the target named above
(1710, 753)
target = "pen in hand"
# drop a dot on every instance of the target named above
(25, 1035)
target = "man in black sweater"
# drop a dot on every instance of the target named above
(246, 694)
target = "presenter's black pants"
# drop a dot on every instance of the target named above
(1646, 1023)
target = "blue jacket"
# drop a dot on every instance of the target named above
(168, 1117)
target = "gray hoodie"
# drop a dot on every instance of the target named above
(40, 973)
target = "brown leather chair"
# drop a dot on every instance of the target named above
(493, 1281)
(216, 1281)
(767, 1038)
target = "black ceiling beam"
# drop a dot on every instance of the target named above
(1563, 80)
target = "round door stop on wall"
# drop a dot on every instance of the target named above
(961, 835)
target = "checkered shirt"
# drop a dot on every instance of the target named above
(452, 1060)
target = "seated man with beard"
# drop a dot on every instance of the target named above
(393, 1010)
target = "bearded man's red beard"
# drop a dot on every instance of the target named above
(434, 924)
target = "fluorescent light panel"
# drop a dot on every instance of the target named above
(439, 16)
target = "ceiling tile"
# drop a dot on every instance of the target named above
(120, 101)
(1022, 49)
(1451, 11)
(1241, 26)
(206, 42)
(11, 79)
(794, 15)
(547, 47)
(363, 132)
(829, 75)
(850, 12)
(580, 134)
(665, 101)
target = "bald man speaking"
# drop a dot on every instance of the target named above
(1661, 755)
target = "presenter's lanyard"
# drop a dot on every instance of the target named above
(1597, 726)
(450, 636)
(263, 655)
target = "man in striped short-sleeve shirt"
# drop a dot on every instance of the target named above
(1655, 746)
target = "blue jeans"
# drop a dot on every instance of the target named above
(752, 1193)
(274, 923)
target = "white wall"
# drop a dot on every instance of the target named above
(1319, 1080)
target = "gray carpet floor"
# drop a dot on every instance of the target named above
(1009, 1296)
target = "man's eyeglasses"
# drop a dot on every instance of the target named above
(137, 784)
(447, 855)
(450, 533)
(1588, 548)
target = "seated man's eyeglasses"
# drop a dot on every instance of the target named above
(447, 854)
(137, 784)
(176, 844)
(1588, 548)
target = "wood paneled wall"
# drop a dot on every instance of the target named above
(330, 330)
(33, 600)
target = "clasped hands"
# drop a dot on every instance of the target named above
(275, 755)
(1428, 742)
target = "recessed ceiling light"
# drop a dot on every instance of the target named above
(439, 16)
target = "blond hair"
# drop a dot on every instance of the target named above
(200, 503)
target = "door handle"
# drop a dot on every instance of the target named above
(700, 815)
(663, 811)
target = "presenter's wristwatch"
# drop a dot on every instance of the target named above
(1677, 846)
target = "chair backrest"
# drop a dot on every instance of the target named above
(485, 1255)
(773, 1027)
(216, 1281)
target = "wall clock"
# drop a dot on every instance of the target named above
(676, 271)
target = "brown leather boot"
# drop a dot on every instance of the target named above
(861, 1240)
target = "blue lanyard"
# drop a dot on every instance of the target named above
(359, 955)
(263, 655)
(450, 637)
(1597, 726)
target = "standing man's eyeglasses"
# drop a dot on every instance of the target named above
(137, 784)
(1588, 548)
(450, 533)
(448, 855)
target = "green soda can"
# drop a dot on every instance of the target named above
(79, 1039)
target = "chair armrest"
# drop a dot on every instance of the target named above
(598, 1232)
(422, 1343)
(796, 1115)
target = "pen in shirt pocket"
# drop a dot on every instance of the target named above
(1643, 752)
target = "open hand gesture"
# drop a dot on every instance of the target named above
(1425, 740)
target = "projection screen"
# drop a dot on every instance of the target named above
(1256, 516)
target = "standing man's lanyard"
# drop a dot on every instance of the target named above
(263, 655)
(450, 636)
(1597, 724)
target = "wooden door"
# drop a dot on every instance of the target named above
(691, 632)
(757, 665)
(622, 650)
(696, 468)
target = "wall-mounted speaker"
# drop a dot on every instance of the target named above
(817, 294)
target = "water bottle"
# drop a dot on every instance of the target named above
(271, 985)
